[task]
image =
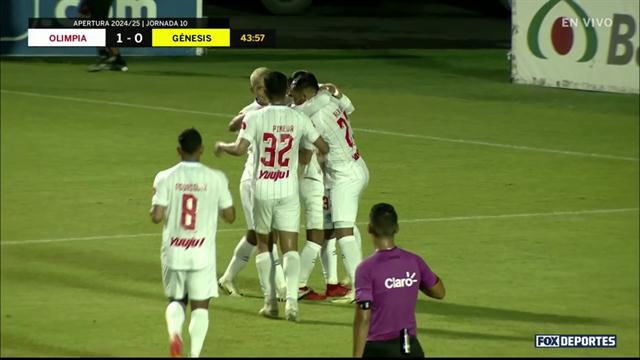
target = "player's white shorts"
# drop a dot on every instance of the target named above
(198, 284)
(246, 197)
(311, 194)
(279, 214)
(344, 197)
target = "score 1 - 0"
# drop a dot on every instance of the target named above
(128, 37)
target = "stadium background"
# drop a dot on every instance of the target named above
(524, 199)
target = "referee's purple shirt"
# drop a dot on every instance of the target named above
(390, 280)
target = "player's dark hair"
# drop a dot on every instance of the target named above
(298, 73)
(304, 80)
(383, 219)
(190, 140)
(275, 85)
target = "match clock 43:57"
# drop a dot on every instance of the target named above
(253, 38)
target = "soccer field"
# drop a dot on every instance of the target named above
(523, 199)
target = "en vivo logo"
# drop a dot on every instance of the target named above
(621, 41)
(561, 34)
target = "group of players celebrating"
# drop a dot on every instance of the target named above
(292, 121)
(300, 149)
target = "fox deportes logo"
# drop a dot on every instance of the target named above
(576, 341)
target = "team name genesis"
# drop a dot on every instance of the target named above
(191, 38)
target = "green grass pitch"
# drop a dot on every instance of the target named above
(430, 125)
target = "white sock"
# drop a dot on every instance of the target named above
(265, 275)
(175, 318)
(351, 255)
(356, 233)
(198, 330)
(291, 265)
(329, 260)
(279, 274)
(241, 255)
(308, 258)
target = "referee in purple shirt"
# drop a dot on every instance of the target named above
(387, 285)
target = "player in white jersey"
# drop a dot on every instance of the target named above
(246, 246)
(346, 172)
(188, 198)
(311, 195)
(276, 132)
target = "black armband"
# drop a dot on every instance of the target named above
(365, 305)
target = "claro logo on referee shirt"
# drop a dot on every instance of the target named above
(394, 283)
(575, 341)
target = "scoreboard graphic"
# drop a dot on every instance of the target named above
(145, 33)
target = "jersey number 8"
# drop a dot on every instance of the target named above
(188, 215)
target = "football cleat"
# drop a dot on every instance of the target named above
(269, 310)
(175, 346)
(303, 291)
(312, 296)
(100, 66)
(337, 290)
(291, 312)
(229, 287)
(347, 299)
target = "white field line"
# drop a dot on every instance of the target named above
(505, 146)
(372, 131)
(438, 219)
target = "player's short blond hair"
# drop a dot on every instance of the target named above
(258, 74)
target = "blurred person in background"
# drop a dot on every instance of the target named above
(109, 58)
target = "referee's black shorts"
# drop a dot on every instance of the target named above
(95, 9)
(392, 348)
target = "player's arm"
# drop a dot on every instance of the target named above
(436, 291)
(430, 284)
(236, 123)
(228, 214)
(306, 152)
(157, 213)
(243, 141)
(304, 156)
(364, 296)
(160, 199)
(322, 145)
(237, 148)
(225, 204)
(331, 88)
(361, 328)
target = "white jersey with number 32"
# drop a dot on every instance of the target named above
(193, 195)
(276, 133)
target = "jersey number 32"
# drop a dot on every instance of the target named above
(284, 146)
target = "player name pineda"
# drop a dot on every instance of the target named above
(575, 341)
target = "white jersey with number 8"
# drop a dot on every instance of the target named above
(276, 133)
(193, 194)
